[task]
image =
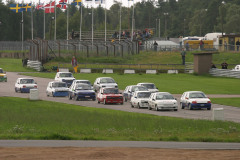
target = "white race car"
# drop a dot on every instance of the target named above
(150, 86)
(25, 84)
(57, 89)
(140, 99)
(195, 100)
(65, 77)
(104, 82)
(162, 101)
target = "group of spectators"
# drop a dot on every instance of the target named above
(137, 35)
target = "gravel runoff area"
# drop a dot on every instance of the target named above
(116, 151)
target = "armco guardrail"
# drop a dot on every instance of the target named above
(34, 64)
(224, 73)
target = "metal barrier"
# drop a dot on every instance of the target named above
(34, 64)
(224, 73)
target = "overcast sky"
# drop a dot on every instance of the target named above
(109, 3)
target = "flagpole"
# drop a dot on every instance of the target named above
(120, 19)
(105, 22)
(44, 23)
(92, 24)
(32, 20)
(80, 33)
(22, 31)
(55, 31)
(67, 22)
(132, 22)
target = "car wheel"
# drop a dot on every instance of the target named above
(181, 105)
(156, 108)
(53, 94)
(121, 103)
(189, 106)
(94, 99)
(21, 90)
(69, 97)
(98, 101)
(139, 106)
(175, 109)
(76, 98)
(209, 108)
(132, 105)
(15, 89)
(104, 101)
(149, 107)
(125, 99)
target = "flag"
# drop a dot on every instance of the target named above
(16, 8)
(77, 2)
(40, 6)
(62, 4)
(99, 1)
(27, 7)
(49, 8)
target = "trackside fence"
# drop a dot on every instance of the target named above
(224, 73)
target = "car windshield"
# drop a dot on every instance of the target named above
(55, 85)
(110, 91)
(86, 82)
(143, 95)
(164, 96)
(83, 87)
(1, 71)
(149, 86)
(139, 88)
(107, 80)
(26, 81)
(197, 95)
(66, 75)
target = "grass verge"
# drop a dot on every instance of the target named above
(227, 101)
(24, 119)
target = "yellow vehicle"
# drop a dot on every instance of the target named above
(195, 44)
(3, 75)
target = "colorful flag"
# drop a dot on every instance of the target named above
(16, 8)
(27, 7)
(40, 6)
(49, 8)
(62, 4)
(99, 1)
(77, 2)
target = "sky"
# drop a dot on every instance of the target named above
(109, 3)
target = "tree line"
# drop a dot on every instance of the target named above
(177, 18)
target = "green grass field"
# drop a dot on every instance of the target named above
(24, 119)
(227, 101)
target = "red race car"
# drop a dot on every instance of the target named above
(109, 95)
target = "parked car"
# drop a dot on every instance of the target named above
(103, 82)
(109, 95)
(195, 100)
(65, 77)
(81, 91)
(25, 84)
(129, 90)
(162, 101)
(140, 99)
(57, 89)
(150, 86)
(3, 76)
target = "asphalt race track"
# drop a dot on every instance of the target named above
(230, 113)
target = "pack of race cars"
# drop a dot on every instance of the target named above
(105, 90)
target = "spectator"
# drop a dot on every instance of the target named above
(224, 65)
(183, 53)
(237, 44)
(201, 45)
(213, 66)
(225, 45)
(72, 34)
(155, 45)
(187, 46)
(74, 64)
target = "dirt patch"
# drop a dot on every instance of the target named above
(73, 153)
